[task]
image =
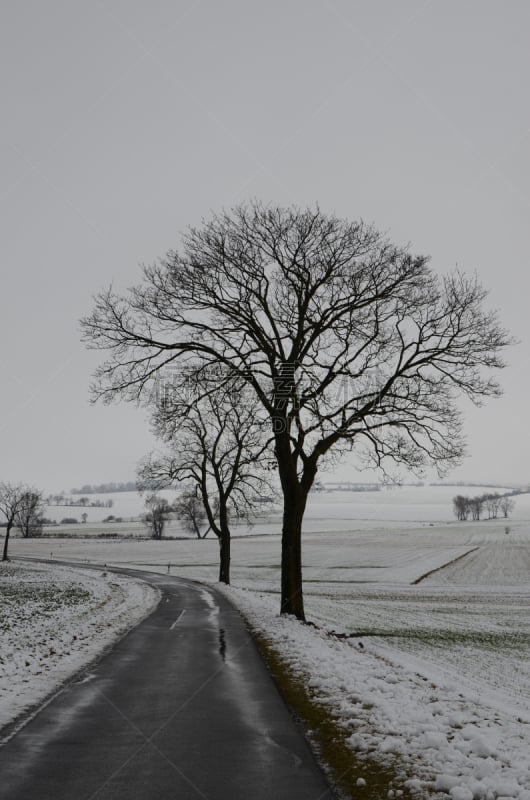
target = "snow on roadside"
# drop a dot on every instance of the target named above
(441, 740)
(56, 619)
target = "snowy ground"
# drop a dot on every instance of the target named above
(53, 621)
(441, 684)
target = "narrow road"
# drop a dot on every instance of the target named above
(182, 708)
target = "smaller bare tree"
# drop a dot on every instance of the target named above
(477, 506)
(13, 499)
(158, 511)
(218, 446)
(492, 503)
(189, 508)
(461, 507)
(507, 505)
(30, 514)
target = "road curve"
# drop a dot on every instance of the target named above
(181, 708)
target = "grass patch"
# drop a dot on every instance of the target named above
(51, 596)
(23, 602)
(343, 581)
(328, 736)
(354, 566)
(490, 640)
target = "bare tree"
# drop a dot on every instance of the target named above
(190, 509)
(345, 339)
(158, 511)
(477, 506)
(461, 507)
(218, 446)
(30, 514)
(13, 498)
(507, 505)
(492, 503)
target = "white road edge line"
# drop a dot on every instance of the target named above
(177, 620)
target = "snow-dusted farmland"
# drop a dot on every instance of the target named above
(436, 672)
(53, 621)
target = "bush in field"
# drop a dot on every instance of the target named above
(69, 521)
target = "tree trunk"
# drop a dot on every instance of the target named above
(6, 541)
(224, 557)
(292, 598)
(295, 491)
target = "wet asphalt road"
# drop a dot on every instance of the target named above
(182, 707)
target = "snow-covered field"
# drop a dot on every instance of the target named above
(435, 676)
(53, 621)
(410, 504)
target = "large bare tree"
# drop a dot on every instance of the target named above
(217, 445)
(345, 338)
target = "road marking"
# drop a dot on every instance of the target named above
(87, 678)
(176, 621)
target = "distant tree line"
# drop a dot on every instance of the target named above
(107, 488)
(75, 521)
(61, 500)
(480, 483)
(491, 504)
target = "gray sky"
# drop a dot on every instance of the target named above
(125, 121)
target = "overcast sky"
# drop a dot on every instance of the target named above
(125, 121)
